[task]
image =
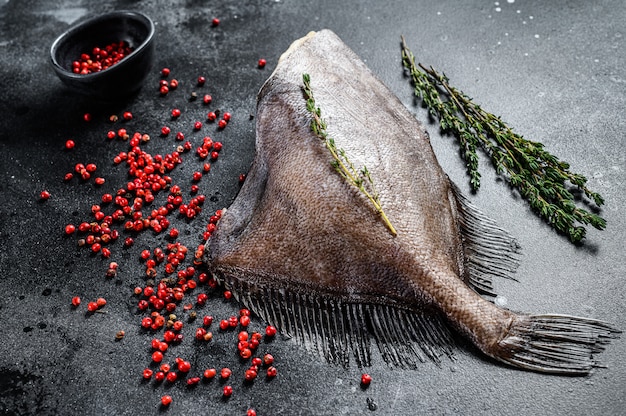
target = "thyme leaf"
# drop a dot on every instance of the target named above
(360, 178)
(540, 177)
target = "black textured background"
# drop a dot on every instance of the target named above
(553, 70)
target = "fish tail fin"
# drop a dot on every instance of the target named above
(557, 344)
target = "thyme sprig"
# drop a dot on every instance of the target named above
(539, 176)
(362, 178)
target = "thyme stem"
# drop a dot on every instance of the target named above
(341, 163)
(540, 177)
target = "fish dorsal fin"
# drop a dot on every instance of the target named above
(489, 250)
(338, 329)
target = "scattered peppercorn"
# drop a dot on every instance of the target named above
(270, 331)
(166, 400)
(225, 373)
(157, 356)
(128, 209)
(268, 359)
(272, 372)
(192, 381)
(184, 366)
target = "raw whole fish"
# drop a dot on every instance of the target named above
(305, 250)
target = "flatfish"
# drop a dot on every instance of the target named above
(306, 251)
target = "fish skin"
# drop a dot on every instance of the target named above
(298, 226)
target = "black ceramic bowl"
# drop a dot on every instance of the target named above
(121, 79)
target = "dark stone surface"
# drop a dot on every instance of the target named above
(554, 70)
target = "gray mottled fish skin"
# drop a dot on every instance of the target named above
(305, 250)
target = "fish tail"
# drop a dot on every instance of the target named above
(557, 344)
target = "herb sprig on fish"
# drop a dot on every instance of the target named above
(539, 176)
(362, 178)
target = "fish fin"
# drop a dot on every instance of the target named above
(558, 344)
(337, 328)
(489, 250)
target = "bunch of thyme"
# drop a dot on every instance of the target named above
(362, 178)
(539, 176)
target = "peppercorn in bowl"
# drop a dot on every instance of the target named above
(107, 56)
